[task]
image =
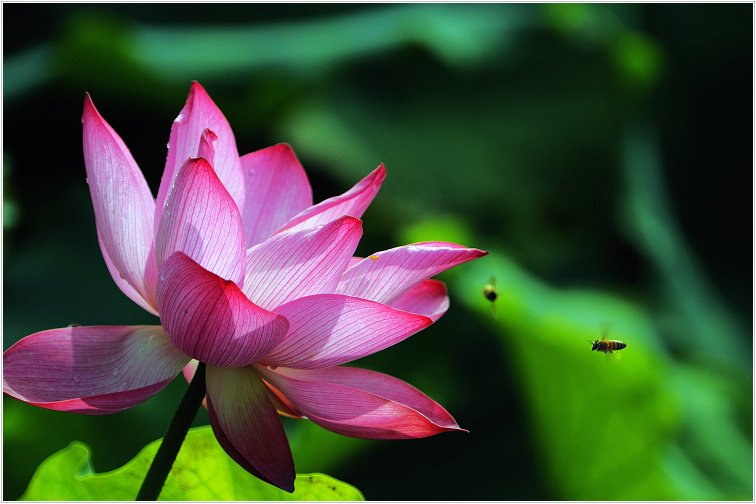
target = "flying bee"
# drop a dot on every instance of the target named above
(490, 293)
(605, 345)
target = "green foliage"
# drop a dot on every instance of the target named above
(593, 417)
(635, 428)
(202, 471)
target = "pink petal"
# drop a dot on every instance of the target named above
(384, 276)
(282, 405)
(124, 209)
(329, 329)
(200, 113)
(277, 189)
(354, 260)
(210, 319)
(207, 146)
(427, 298)
(91, 370)
(360, 403)
(190, 369)
(201, 220)
(354, 202)
(188, 373)
(300, 263)
(247, 425)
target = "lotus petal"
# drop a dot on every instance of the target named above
(207, 146)
(329, 329)
(201, 220)
(200, 113)
(277, 189)
(384, 276)
(124, 209)
(91, 370)
(428, 298)
(300, 263)
(247, 425)
(210, 319)
(360, 403)
(354, 202)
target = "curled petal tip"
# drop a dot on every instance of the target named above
(453, 428)
(207, 145)
(89, 107)
(196, 89)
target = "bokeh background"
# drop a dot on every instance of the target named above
(601, 153)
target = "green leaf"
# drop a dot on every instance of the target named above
(202, 471)
(644, 428)
(595, 417)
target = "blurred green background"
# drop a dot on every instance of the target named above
(601, 153)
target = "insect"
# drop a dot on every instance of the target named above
(605, 345)
(490, 292)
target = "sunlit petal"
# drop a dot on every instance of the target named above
(201, 113)
(124, 209)
(360, 403)
(91, 370)
(202, 221)
(354, 202)
(329, 329)
(300, 263)
(384, 276)
(276, 190)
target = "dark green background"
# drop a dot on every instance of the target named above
(601, 153)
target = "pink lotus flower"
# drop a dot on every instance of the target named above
(251, 278)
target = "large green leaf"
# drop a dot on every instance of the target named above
(202, 471)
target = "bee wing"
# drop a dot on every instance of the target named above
(613, 357)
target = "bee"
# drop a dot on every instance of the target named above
(490, 293)
(605, 345)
